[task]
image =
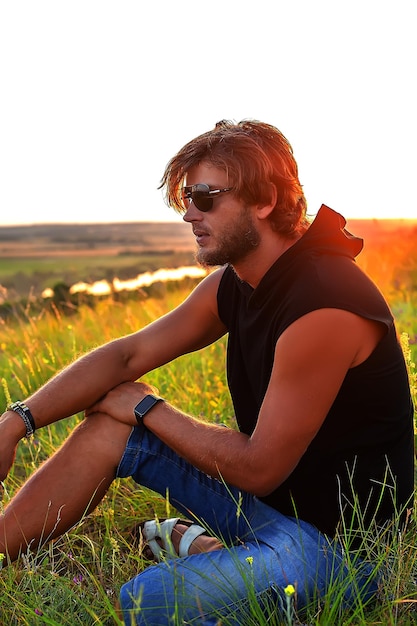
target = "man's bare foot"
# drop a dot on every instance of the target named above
(202, 543)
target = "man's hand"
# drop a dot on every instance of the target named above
(120, 402)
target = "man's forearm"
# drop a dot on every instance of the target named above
(79, 385)
(220, 452)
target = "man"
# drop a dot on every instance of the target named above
(319, 387)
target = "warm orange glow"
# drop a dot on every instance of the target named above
(390, 252)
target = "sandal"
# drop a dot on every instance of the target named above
(162, 530)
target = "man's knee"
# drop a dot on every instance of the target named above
(101, 431)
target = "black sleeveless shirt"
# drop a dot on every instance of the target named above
(366, 444)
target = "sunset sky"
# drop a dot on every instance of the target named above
(97, 95)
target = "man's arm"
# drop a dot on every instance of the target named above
(312, 358)
(192, 325)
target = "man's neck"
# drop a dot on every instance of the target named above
(256, 263)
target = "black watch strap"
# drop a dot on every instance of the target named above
(145, 406)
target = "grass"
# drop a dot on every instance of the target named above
(76, 579)
(81, 265)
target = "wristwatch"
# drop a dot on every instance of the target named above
(145, 406)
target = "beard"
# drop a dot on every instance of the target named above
(233, 245)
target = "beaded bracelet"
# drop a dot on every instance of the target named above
(21, 409)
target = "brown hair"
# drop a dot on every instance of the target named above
(254, 155)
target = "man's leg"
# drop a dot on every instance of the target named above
(67, 486)
(232, 584)
(208, 589)
(265, 551)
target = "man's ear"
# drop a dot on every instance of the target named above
(264, 210)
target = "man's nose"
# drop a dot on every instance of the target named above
(192, 214)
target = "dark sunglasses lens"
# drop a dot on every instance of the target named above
(200, 196)
(202, 201)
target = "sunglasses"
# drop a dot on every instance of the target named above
(202, 196)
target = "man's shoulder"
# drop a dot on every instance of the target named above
(210, 284)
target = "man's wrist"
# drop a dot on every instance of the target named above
(25, 414)
(13, 423)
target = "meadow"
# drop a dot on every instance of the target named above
(76, 579)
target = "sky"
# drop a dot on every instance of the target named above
(97, 95)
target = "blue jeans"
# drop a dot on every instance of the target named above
(266, 551)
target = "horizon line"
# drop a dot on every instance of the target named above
(109, 222)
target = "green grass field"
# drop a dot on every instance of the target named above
(76, 579)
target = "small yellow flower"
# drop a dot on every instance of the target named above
(289, 590)
(2, 556)
(249, 559)
(114, 544)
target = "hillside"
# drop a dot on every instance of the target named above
(90, 239)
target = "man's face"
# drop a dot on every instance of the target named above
(227, 233)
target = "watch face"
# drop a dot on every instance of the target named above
(145, 405)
